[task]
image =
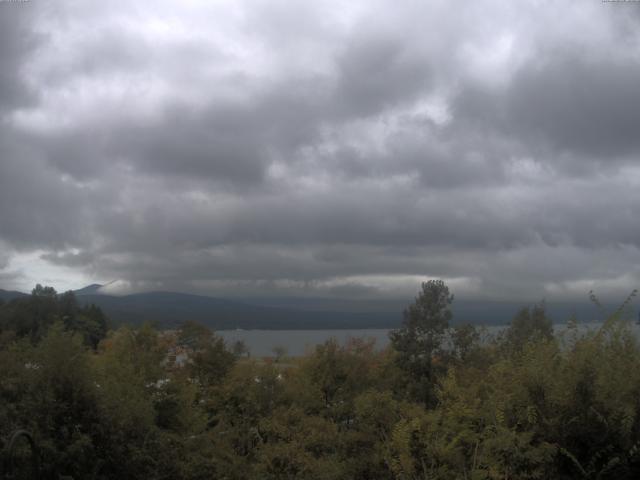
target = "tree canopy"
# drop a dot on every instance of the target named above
(523, 405)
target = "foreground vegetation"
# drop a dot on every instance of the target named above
(439, 403)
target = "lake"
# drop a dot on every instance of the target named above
(298, 342)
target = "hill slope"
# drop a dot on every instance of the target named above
(7, 295)
(169, 309)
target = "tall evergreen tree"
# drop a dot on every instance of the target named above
(419, 339)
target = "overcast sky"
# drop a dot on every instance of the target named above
(336, 148)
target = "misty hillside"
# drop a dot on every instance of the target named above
(7, 295)
(169, 309)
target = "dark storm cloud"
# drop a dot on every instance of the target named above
(336, 148)
(17, 40)
(220, 140)
(38, 208)
(581, 105)
(566, 103)
(377, 73)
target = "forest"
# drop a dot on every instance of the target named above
(440, 402)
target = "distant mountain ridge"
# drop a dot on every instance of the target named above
(169, 309)
(7, 295)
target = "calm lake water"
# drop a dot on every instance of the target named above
(298, 342)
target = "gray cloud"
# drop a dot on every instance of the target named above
(17, 41)
(329, 149)
(568, 103)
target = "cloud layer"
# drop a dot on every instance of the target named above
(326, 148)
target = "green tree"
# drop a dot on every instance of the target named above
(464, 340)
(194, 335)
(40, 291)
(31, 317)
(209, 358)
(279, 353)
(240, 349)
(334, 375)
(529, 324)
(419, 339)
